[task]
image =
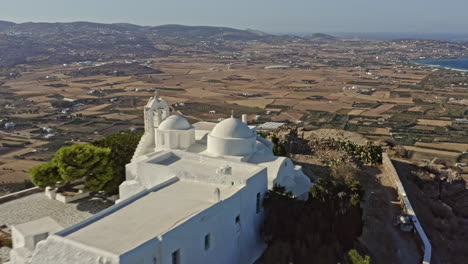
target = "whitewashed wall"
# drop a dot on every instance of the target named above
(56, 249)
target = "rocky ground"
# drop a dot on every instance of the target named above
(384, 242)
(440, 199)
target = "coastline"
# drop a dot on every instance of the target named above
(427, 63)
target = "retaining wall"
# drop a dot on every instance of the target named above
(388, 165)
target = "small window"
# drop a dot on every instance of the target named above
(207, 241)
(257, 204)
(176, 257)
(237, 219)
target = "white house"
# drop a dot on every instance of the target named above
(193, 194)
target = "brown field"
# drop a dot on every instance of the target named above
(428, 122)
(356, 112)
(460, 147)
(327, 106)
(260, 103)
(381, 94)
(19, 165)
(433, 151)
(416, 109)
(378, 111)
(119, 116)
(381, 131)
(351, 96)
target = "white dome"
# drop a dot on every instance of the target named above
(232, 128)
(175, 122)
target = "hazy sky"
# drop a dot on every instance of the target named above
(267, 15)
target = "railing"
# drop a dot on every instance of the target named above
(19, 194)
(387, 162)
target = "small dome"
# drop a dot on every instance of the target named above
(232, 128)
(175, 122)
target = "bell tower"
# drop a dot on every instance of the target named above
(156, 111)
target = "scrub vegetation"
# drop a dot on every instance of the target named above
(323, 228)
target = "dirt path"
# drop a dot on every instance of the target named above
(387, 243)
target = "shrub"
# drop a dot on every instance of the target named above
(5, 242)
(344, 171)
(356, 258)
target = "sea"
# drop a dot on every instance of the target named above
(454, 64)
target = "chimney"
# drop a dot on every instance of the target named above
(244, 118)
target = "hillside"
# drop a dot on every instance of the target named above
(50, 43)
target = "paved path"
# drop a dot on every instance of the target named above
(37, 205)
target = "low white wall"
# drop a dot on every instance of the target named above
(68, 199)
(16, 195)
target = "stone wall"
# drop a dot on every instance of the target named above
(390, 169)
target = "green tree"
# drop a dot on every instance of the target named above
(122, 146)
(279, 150)
(87, 162)
(357, 258)
(45, 175)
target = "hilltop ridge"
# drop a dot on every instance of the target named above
(42, 42)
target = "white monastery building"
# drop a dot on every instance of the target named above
(193, 194)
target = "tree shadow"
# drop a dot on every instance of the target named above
(92, 205)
